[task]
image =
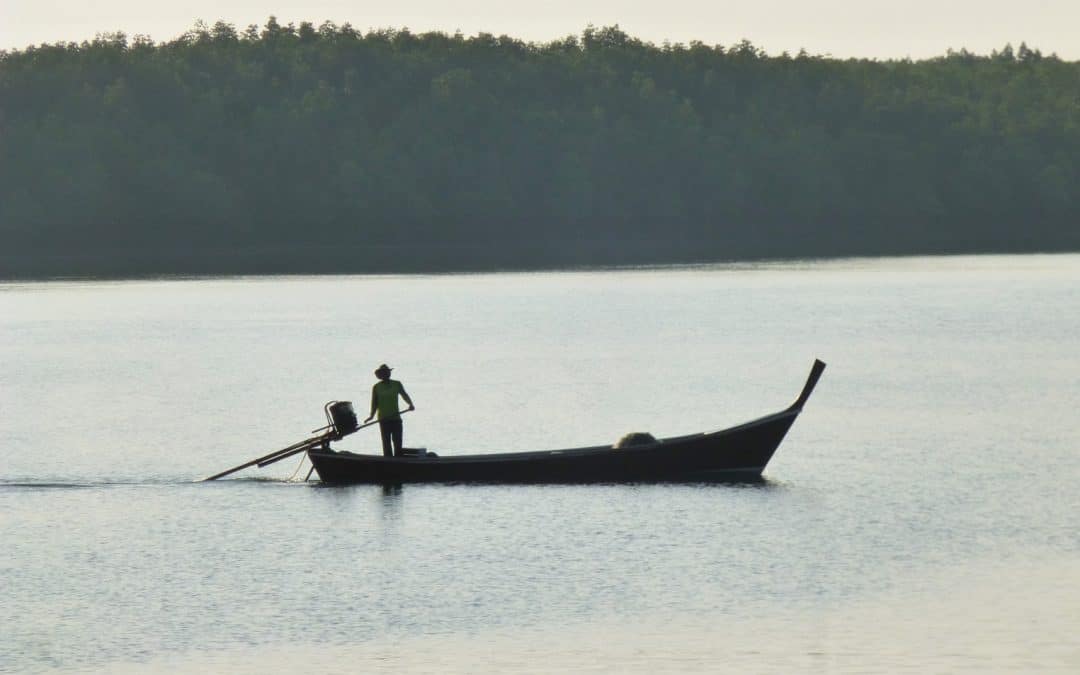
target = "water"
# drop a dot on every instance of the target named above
(920, 516)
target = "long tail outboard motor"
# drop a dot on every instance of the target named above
(341, 421)
(342, 417)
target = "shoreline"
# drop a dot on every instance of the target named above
(395, 260)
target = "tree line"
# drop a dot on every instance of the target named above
(304, 148)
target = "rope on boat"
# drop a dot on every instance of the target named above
(303, 457)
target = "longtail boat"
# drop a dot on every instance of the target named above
(738, 453)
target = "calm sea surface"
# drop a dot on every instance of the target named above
(921, 516)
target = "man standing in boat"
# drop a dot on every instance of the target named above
(384, 401)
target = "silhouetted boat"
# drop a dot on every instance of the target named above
(738, 453)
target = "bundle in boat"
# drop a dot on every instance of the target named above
(635, 438)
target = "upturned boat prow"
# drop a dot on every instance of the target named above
(736, 453)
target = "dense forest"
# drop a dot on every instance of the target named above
(321, 148)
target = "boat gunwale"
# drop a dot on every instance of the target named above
(534, 455)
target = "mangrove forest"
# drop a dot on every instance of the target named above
(304, 148)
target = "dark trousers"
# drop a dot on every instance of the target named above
(391, 433)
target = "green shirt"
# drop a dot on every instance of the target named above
(384, 398)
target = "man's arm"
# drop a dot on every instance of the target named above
(374, 402)
(407, 399)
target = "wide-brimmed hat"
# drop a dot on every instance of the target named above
(383, 369)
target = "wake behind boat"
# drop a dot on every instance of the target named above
(737, 453)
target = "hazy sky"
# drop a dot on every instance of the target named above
(872, 28)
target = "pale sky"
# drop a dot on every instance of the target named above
(843, 28)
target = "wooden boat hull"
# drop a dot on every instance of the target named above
(738, 453)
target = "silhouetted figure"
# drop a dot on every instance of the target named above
(384, 401)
